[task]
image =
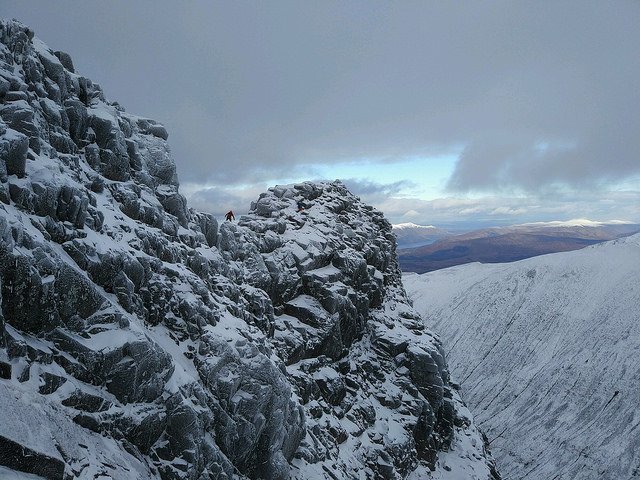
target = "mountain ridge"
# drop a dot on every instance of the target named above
(508, 244)
(546, 352)
(142, 338)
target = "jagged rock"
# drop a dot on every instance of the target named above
(65, 60)
(113, 165)
(87, 402)
(13, 151)
(208, 225)
(5, 85)
(19, 116)
(104, 127)
(78, 119)
(157, 160)
(5, 370)
(152, 127)
(173, 202)
(281, 346)
(50, 383)
(18, 457)
(137, 372)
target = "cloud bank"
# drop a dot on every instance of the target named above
(538, 97)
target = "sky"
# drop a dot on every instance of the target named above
(435, 112)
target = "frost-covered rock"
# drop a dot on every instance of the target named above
(155, 343)
(373, 381)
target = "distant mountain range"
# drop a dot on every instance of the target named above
(499, 244)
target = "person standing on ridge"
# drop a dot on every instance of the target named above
(229, 216)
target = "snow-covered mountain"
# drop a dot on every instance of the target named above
(141, 339)
(547, 352)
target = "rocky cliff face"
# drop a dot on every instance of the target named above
(140, 339)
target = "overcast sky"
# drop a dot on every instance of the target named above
(434, 112)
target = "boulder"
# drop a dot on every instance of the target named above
(78, 119)
(65, 60)
(19, 116)
(18, 457)
(13, 152)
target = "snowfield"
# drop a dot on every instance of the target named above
(547, 351)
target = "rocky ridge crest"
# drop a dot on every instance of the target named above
(142, 339)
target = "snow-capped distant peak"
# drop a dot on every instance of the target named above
(577, 222)
(400, 226)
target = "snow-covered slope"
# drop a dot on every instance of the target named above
(547, 351)
(140, 339)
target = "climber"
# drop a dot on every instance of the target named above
(229, 216)
(300, 206)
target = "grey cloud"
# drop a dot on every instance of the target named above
(374, 189)
(255, 91)
(507, 210)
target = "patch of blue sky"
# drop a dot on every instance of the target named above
(418, 177)
(631, 184)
